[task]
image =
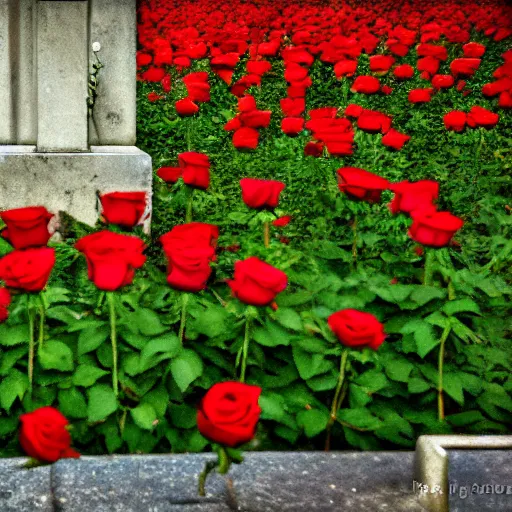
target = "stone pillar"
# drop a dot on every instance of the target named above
(62, 70)
(51, 152)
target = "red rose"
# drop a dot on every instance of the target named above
(261, 193)
(464, 67)
(196, 169)
(229, 413)
(314, 149)
(153, 74)
(292, 125)
(189, 249)
(345, 67)
(43, 435)
(170, 174)
(433, 228)
(411, 196)
(373, 121)
(361, 184)
(460, 85)
(26, 227)
(163, 56)
(198, 91)
(258, 67)
(358, 329)
(153, 96)
(432, 50)
(5, 301)
(143, 59)
(245, 138)
(247, 103)
(124, 208)
(455, 120)
(473, 50)
(394, 139)
(385, 89)
(479, 116)
(29, 269)
(257, 283)
(420, 95)
(381, 63)
(282, 221)
(497, 87)
(442, 81)
(403, 72)
(293, 107)
(505, 100)
(111, 258)
(255, 118)
(353, 110)
(295, 73)
(366, 85)
(166, 83)
(186, 107)
(182, 62)
(428, 65)
(323, 113)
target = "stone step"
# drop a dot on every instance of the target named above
(265, 482)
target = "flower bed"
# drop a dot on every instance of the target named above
(331, 226)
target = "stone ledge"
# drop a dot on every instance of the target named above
(266, 481)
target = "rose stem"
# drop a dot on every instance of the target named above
(42, 314)
(336, 402)
(188, 133)
(208, 468)
(440, 401)
(354, 243)
(266, 234)
(188, 214)
(429, 264)
(113, 338)
(245, 349)
(184, 302)
(31, 344)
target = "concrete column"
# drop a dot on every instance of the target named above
(62, 73)
(7, 36)
(112, 23)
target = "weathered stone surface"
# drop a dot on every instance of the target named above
(70, 182)
(24, 490)
(136, 484)
(113, 24)
(271, 481)
(62, 74)
(6, 92)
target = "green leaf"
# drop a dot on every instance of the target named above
(148, 322)
(13, 386)
(186, 368)
(361, 418)
(183, 416)
(309, 364)
(372, 380)
(210, 321)
(398, 369)
(312, 421)
(417, 385)
(272, 407)
(271, 335)
(330, 251)
(144, 416)
(459, 306)
(13, 335)
(72, 403)
(423, 294)
(102, 402)
(423, 335)
(453, 387)
(55, 355)
(294, 299)
(10, 357)
(396, 293)
(91, 338)
(159, 349)
(86, 375)
(289, 319)
(465, 418)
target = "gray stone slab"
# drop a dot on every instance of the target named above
(136, 484)
(23, 490)
(62, 74)
(112, 23)
(70, 181)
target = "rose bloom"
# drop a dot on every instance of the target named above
(186, 107)
(366, 85)
(44, 437)
(403, 72)
(357, 329)
(473, 50)
(292, 125)
(229, 413)
(411, 196)
(373, 121)
(313, 149)
(257, 283)
(124, 208)
(255, 118)
(442, 81)
(261, 193)
(455, 120)
(170, 174)
(345, 67)
(432, 228)
(464, 66)
(394, 139)
(420, 95)
(196, 169)
(479, 116)
(111, 258)
(381, 63)
(5, 301)
(245, 138)
(26, 227)
(360, 184)
(189, 249)
(29, 269)
(282, 221)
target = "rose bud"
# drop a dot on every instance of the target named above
(261, 193)
(26, 227)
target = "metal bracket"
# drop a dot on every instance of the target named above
(431, 465)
